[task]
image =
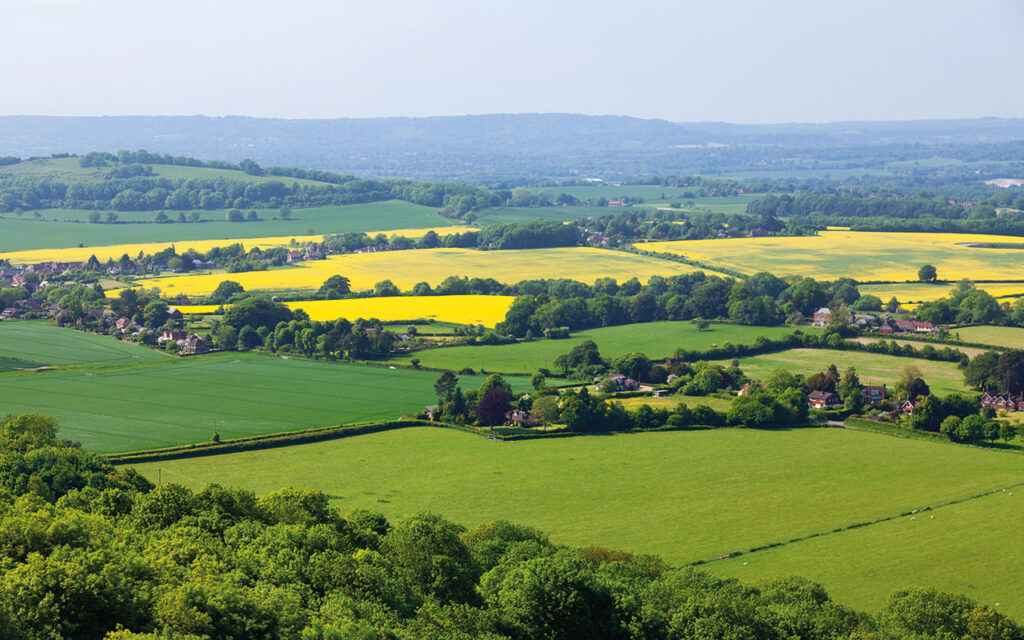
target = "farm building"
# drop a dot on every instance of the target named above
(824, 400)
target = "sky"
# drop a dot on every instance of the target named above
(724, 60)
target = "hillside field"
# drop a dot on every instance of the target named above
(46, 344)
(655, 339)
(177, 401)
(406, 268)
(959, 548)
(887, 257)
(24, 233)
(915, 292)
(942, 377)
(686, 496)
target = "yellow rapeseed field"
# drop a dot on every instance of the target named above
(406, 268)
(891, 257)
(485, 310)
(184, 308)
(918, 292)
(115, 251)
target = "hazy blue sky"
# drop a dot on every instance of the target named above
(752, 61)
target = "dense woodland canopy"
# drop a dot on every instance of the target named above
(89, 551)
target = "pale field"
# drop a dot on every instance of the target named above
(485, 310)
(912, 292)
(892, 257)
(406, 268)
(115, 251)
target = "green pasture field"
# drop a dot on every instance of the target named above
(942, 377)
(24, 232)
(70, 169)
(1011, 337)
(46, 344)
(656, 339)
(958, 548)
(686, 496)
(177, 402)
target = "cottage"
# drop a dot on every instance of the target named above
(519, 418)
(745, 389)
(1003, 401)
(622, 383)
(124, 324)
(909, 406)
(193, 345)
(822, 317)
(873, 394)
(10, 313)
(923, 327)
(824, 400)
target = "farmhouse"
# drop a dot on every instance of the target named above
(873, 394)
(824, 400)
(193, 344)
(822, 317)
(519, 418)
(622, 383)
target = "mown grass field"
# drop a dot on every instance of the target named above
(959, 548)
(177, 401)
(686, 496)
(469, 309)
(113, 252)
(891, 257)
(656, 339)
(1011, 337)
(406, 268)
(942, 377)
(24, 233)
(46, 344)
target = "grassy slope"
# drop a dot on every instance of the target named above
(177, 402)
(942, 377)
(25, 233)
(685, 495)
(656, 339)
(42, 343)
(964, 548)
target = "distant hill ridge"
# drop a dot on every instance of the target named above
(465, 147)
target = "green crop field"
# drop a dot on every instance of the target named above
(687, 496)
(176, 400)
(656, 339)
(942, 377)
(959, 548)
(1010, 337)
(503, 215)
(45, 344)
(57, 229)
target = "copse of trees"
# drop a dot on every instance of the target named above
(86, 556)
(762, 299)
